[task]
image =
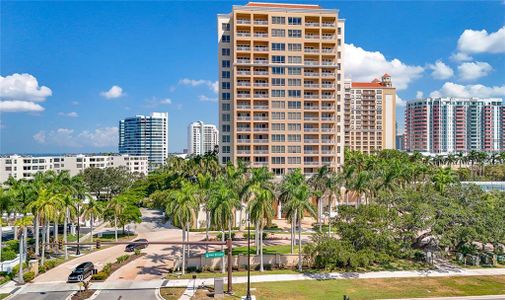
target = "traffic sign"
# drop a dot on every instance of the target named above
(214, 254)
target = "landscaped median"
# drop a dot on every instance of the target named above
(361, 289)
(110, 268)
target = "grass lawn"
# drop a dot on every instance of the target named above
(235, 273)
(171, 293)
(281, 249)
(359, 289)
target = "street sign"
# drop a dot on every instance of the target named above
(214, 254)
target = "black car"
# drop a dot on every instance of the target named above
(137, 244)
(82, 272)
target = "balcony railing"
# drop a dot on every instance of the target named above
(260, 48)
(243, 84)
(259, 118)
(242, 129)
(325, 74)
(327, 118)
(311, 107)
(328, 37)
(311, 141)
(310, 129)
(260, 95)
(261, 84)
(243, 106)
(260, 151)
(311, 118)
(311, 37)
(311, 163)
(243, 48)
(328, 86)
(328, 151)
(260, 72)
(260, 106)
(244, 72)
(311, 24)
(328, 24)
(328, 129)
(311, 50)
(243, 118)
(261, 35)
(328, 50)
(243, 61)
(310, 96)
(328, 96)
(310, 151)
(243, 140)
(311, 85)
(243, 151)
(243, 21)
(244, 34)
(258, 129)
(261, 22)
(260, 141)
(311, 74)
(329, 63)
(327, 141)
(260, 61)
(311, 63)
(243, 95)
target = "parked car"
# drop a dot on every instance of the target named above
(137, 244)
(82, 272)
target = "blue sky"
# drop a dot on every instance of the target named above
(71, 70)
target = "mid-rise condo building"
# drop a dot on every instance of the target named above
(445, 125)
(25, 167)
(370, 114)
(202, 138)
(147, 136)
(281, 92)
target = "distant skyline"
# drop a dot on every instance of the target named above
(71, 70)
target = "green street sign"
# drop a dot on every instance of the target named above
(214, 254)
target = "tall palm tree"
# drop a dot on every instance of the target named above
(223, 202)
(92, 210)
(320, 184)
(298, 206)
(69, 206)
(182, 205)
(204, 184)
(442, 178)
(23, 224)
(261, 212)
(116, 207)
(286, 194)
(6, 201)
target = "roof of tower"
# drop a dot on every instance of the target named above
(283, 5)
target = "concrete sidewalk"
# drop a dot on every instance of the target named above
(153, 284)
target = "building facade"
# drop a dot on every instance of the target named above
(445, 125)
(202, 138)
(281, 86)
(25, 167)
(146, 136)
(370, 114)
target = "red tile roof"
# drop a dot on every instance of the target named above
(282, 5)
(386, 75)
(367, 85)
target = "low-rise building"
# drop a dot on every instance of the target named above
(25, 167)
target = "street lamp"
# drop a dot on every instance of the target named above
(248, 296)
(78, 251)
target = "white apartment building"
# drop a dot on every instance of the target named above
(25, 167)
(202, 138)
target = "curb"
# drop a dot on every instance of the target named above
(157, 294)
(69, 297)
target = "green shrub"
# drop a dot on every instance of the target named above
(107, 268)
(12, 245)
(42, 269)
(122, 258)
(191, 269)
(100, 276)
(137, 252)
(265, 235)
(8, 254)
(220, 235)
(15, 269)
(51, 263)
(28, 276)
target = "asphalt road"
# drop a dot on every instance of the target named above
(145, 294)
(44, 296)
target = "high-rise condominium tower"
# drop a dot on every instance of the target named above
(145, 135)
(370, 114)
(445, 125)
(281, 86)
(202, 138)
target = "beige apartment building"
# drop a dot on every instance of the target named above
(370, 114)
(281, 91)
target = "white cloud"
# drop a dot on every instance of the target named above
(71, 114)
(114, 92)
(475, 41)
(362, 65)
(450, 89)
(419, 94)
(400, 102)
(75, 102)
(474, 70)
(166, 101)
(65, 137)
(23, 87)
(461, 57)
(212, 85)
(207, 98)
(19, 106)
(440, 70)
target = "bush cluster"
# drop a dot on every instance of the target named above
(122, 258)
(28, 276)
(226, 235)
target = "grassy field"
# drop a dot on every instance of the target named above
(171, 293)
(3, 296)
(360, 289)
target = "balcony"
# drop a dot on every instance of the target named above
(244, 72)
(260, 95)
(311, 107)
(310, 96)
(328, 50)
(260, 22)
(325, 141)
(328, 86)
(328, 129)
(260, 106)
(310, 129)
(328, 37)
(260, 118)
(311, 74)
(243, 151)
(328, 96)
(256, 151)
(244, 118)
(261, 61)
(311, 85)
(261, 35)
(243, 141)
(311, 163)
(244, 129)
(243, 21)
(328, 151)
(311, 63)
(311, 36)
(261, 84)
(311, 118)
(243, 83)
(243, 34)
(243, 106)
(243, 95)
(243, 61)
(310, 151)
(260, 72)
(311, 24)
(311, 141)
(260, 129)
(327, 74)
(261, 141)
(260, 163)
(328, 24)
(329, 63)
(311, 50)
(261, 49)
(243, 48)
(327, 118)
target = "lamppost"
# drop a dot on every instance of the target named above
(78, 251)
(248, 296)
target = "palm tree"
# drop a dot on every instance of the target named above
(442, 178)
(69, 204)
(204, 183)
(116, 207)
(5, 204)
(23, 224)
(287, 188)
(181, 205)
(320, 184)
(261, 212)
(297, 207)
(91, 211)
(223, 202)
